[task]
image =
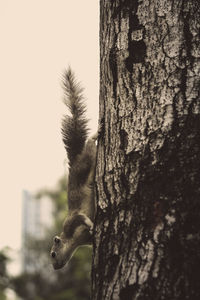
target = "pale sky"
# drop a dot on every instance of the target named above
(38, 40)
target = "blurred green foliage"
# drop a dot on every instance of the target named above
(4, 279)
(70, 283)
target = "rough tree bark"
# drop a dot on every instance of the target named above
(147, 241)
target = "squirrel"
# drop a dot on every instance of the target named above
(78, 225)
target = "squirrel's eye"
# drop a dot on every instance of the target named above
(56, 240)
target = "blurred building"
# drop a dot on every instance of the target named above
(36, 218)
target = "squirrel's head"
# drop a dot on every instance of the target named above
(61, 251)
(64, 247)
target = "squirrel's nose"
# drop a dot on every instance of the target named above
(53, 254)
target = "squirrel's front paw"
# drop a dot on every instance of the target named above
(91, 229)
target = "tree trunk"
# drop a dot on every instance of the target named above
(147, 233)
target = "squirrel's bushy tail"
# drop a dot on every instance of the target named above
(74, 127)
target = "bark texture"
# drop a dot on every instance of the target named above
(147, 241)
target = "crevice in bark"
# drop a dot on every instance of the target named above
(137, 52)
(136, 44)
(187, 33)
(114, 261)
(128, 292)
(113, 67)
(123, 139)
